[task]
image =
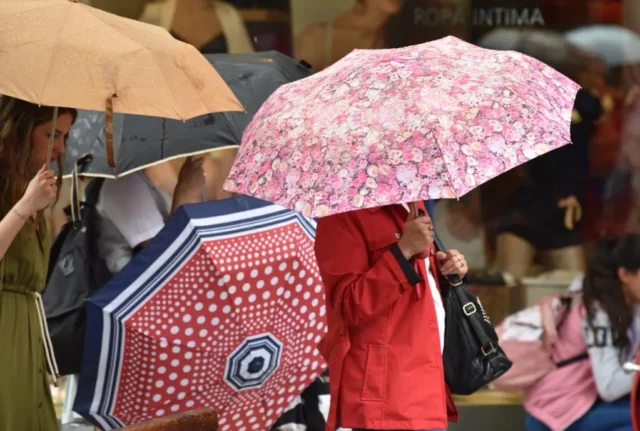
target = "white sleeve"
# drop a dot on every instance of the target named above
(611, 380)
(128, 203)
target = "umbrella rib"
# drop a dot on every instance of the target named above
(173, 96)
(446, 166)
(53, 51)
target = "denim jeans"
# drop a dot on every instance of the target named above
(601, 416)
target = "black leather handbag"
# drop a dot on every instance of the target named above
(472, 356)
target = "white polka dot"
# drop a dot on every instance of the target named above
(188, 332)
(274, 281)
(175, 330)
(252, 298)
(160, 413)
(186, 318)
(240, 276)
(254, 273)
(282, 266)
(201, 320)
(162, 370)
(266, 295)
(215, 321)
(224, 295)
(232, 290)
(198, 306)
(268, 270)
(175, 363)
(174, 376)
(171, 390)
(175, 408)
(212, 308)
(159, 384)
(260, 284)
(246, 287)
(210, 294)
(156, 398)
(203, 333)
(237, 301)
(226, 309)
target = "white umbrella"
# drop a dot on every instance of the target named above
(614, 44)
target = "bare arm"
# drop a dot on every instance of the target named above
(10, 225)
(40, 193)
(191, 181)
(311, 46)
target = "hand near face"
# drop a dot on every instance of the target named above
(41, 192)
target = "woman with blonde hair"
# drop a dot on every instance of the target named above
(27, 187)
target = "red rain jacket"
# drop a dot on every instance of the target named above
(383, 346)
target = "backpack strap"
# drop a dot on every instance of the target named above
(572, 360)
(92, 194)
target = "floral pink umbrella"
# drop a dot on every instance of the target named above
(381, 127)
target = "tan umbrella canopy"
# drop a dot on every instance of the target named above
(65, 53)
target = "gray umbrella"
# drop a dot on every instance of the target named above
(140, 141)
(618, 46)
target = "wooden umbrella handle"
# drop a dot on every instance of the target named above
(108, 132)
(196, 420)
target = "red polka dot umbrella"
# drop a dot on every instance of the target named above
(223, 309)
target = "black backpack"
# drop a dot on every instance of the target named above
(76, 270)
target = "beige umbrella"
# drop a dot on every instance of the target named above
(65, 53)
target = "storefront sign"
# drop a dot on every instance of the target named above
(479, 17)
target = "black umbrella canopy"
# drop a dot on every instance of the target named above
(141, 141)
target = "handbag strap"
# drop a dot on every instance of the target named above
(469, 308)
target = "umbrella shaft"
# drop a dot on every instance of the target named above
(52, 135)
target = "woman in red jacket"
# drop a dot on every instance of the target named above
(386, 319)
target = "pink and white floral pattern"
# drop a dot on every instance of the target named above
(386, 126)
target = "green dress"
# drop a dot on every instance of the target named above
(25, 397)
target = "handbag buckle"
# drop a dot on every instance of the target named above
(491, 349)
(469, 308)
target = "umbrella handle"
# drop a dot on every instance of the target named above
(416, 211)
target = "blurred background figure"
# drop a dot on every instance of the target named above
(363, 26)
(540, 217)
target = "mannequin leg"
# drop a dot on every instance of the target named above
(569, 258)
(514, 255)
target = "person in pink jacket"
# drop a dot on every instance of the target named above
(593, 394)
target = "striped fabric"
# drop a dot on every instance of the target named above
(309, 411)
